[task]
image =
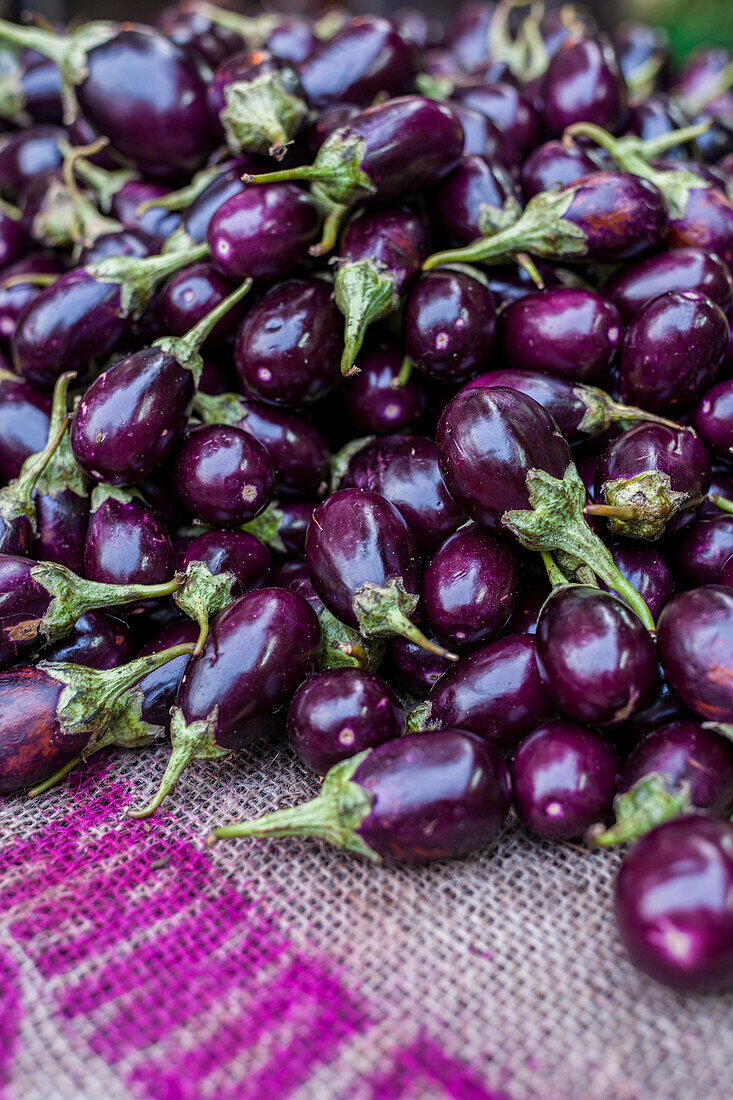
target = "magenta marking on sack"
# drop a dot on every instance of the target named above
(425, 1060)
(10, 1017)
(305, 998)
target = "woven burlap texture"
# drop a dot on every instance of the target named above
(135, 963)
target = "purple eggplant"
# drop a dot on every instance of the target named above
(366, 58)
(642, 53)
(596, 659)
(131, 417)
(83, 316)
(554, 165)
(62, 510)
(40, 602)
(52, 713)
(469, 587)
(223, 475)
(673, 351)
(263, 232)
(362, 559)
(379, 399)
(563, 780)
(449, 325)
(24, 424)
(673, 902)
(651, 480)
(476, 198)
(16, 291)
(412, 668)
(258, 102)
(380, 255)
(340, 712)
(156, 222)
(469, 34)
(404, 469)
(674, 770)
(199, 201)
(190, 295)
(126, 542)
(495, 692)
(18, 516)
(27, 153)
(299, 453)
(572, 333)
(696, 650)
(505, 106)
(605, 217)
(366, 158)
(195, 32)
(412, 800)
(703, 549)
(714, 418)
(31, 89)
(583, 83)
(134, 86)
(579, 411)
(259, 651)
(647, 570)
(160, 687)
(482, 137)
(677, 269)
(289, 345)
(218, 567)
(97, 640)
(505, 462)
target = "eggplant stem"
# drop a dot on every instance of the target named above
(53, 780)
(721, 502)
(615, 511)
(403, 377)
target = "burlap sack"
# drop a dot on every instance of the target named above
(134, 963)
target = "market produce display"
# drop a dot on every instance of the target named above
(373, 381)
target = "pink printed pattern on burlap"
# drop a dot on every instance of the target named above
(213, 999)
(10, 1017)
(424, 1062)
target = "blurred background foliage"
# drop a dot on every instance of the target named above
(689, 23)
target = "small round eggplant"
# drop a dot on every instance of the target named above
(642, 53)
(131, 417)
(24, 424)
(223, 475)
(366, 58)
(27, 153)
(673, 351)
(605, 217)
(476, 198)
(651, 480)
(411, 800)
(505, 462)
(380, 255)
(412, 668)
(449, 325)
(263, 232)
(505, 106)
(553, 165)
(647, 570)
(82, 317)
(596, 659)
(299, 453)
(378, 400)
(259, 651)
(257, 101)
(676, 269)
(404, 469)
(126, 543)
(495, 692)
(703, 549)
(340, 712)
(673, 901)
(363, 562)
(583, 83)
(674, 770)
(52, 713)
(155, 222)
(62, 510)
(696, 650)
(289, 344)
(97, 640)
(714, 418)
(469, 587)
(190, 295)
(563, 780)
(572, 333)
(160, 687)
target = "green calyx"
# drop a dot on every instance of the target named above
(204, 594)
(267, 527)
(17, 498)
(337, 169)
(602, 411)
(254, 29)
(72, 596)
(104, 182)
(91, 697)
(89, 223)
(639, 507)
(524, 53)
(344, 647)
(542, 230)
(648, 803)
(261, 115)
(68, 51)
(138, 278)
(63, 473)
(341, 459)
(383, 611)
(418, 720)
(195, 741)
(186, 349)
(12, 97)
(633, 154)
(364, 292)
(555, 521)
(221, 408)
(335, 815)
